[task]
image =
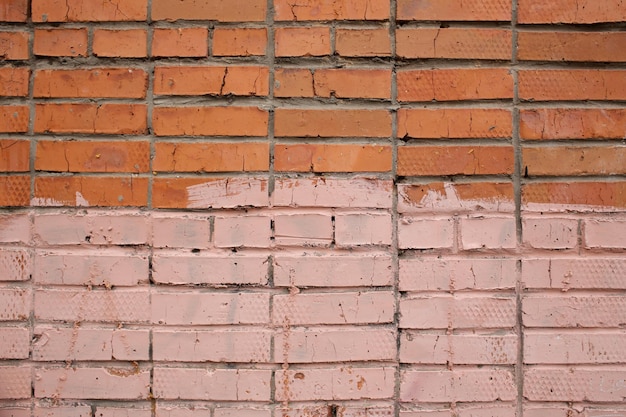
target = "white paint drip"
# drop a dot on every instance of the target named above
(81, 201)
(231, 192)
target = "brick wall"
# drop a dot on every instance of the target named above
(355, 208)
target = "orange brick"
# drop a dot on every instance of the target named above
(89, 10)
(14, 155)
(123, 43)
(13, 45)
(415, 195)
(573, 124)
(91, 191)
(332, 123)
(14, 81)
(60, 42)
(14, 190)
(210, 121)
(454, 84)
(239, 42)
(349, 83)
(455, 160)
(220, 10)
(192, 81)
(293, 82)
(572, 84)
(91, 118)
(13, 10)
(97, 82)
(475, 10)
(331, 10)
(571, 11)
(185, 42)
(14, 119)
(572, 46)
(575, 160)
(454, 123)
(363, 42)
(454, 43)
(92, 156)
(211, 157)
(332, 158)
(600, 194)
(302, 41)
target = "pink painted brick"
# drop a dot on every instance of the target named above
(113, 306)
(487, 410)
(14, 228)
(575, 384)
(16, 382)
(417, 233)
(316, 270)
(210, 308)
(246, 231)
(214, 269)
(574, 273)
(303, 229)
(120, 383)
(228, 193)
(550, 233)
(356, 229)
(15, 343)
(334, 308)
(19, 411)
(15, 304)
(532, 410)
(605, 233)
(211, 346)
(345, 383)
(45, 410)
(567, 310)
(335, 345)
(574, 348)
(488, 233)
(79, 344)
(459, 312)
(212, 384)
(242, 412)
(180, 231)
(347, 410)
(98, 268)
(466, 349)
(436, 274)
(15, 264)
(122, 412)
(332, 192)
(457, 385)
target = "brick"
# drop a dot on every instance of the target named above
(90, 192)
(82, 344)
(417, 233)
(575, 160)
(332, 158)
(366, 269)
(488, 233)
(49, 410)
(96, 383)
(211, 346)
(92, 156)
(239, 41)
(14, 81)
(303, 229)
(122, 43)
(220, 10)
(455, 84)
(344, 383)
(458, 312)
(15, 264)
(466, 349)
(211, 157)
(362, 42)
(456, 10)
(335, 345)
(15, 228)
(13, 10)
(320, 410)
(334, 308)
(457, 385)
(455, 160)
(15, 343)
(219, 270)
(574, 384)
(210, 308)
(60, 42)
(209, 121)
(180, 231)
(605, 233)
(183, 42)
(91, 83)
(293, 82)
(16, 382)
(362, 229)
(14, 45)
(91, 118)
(550, 233)
(572, 84)
(122, 412)
(14, 119)
(182, 410)
(348, 83)
(218, 80)
(14, 155)
(454, 123)
(209, 192)
(570, 11)
(14, 190)
(310, 10)
(332, 123)
(574, 311)
(536, 124)
(486, 410)
(571, 46)
(579, 348)
(568, 273)
(238, 231)
(302, 41)
(436, 274)
(241, 412)
(583, 196)
(16, 304)
(454, 43)
(89, 10)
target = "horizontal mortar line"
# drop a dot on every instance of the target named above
(571, 27)
(209, 100)
(333, 141)
(558, 293)
(572, 143)
(443, 63)
(71, 174)
(335, 65)
(573, 178)
(79, 138)
(99, 101)
(456, 142)
(451, 24)
(210, 24)
(462, 179)
(498, 103)
(571, 104)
